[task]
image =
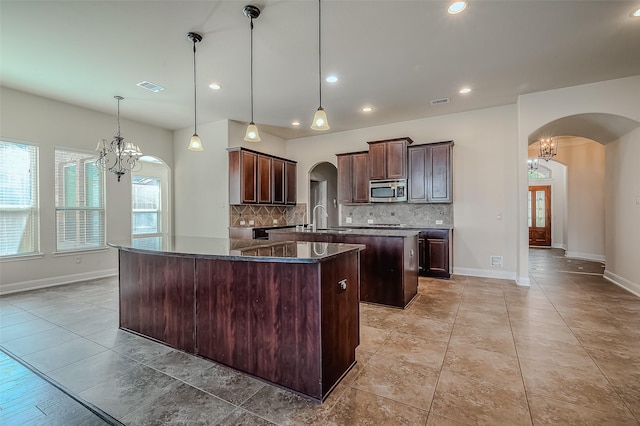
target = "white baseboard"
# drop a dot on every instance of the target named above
(55, 281)
(485, 273)
(560, 246)
(622, 282)
(523, 281)
(585, 256)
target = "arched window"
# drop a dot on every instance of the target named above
(541, 172)
(150, 203)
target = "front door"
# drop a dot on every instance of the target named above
(539, 216)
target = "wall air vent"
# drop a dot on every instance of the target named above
(150, 86)
(440, 101)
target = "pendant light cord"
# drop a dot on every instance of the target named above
(251, 26)
(195, 104)
(320, 53)
(118, 116)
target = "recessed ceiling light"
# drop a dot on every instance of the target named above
(215, 86)
(367, 109)
(465, 90)
(457, 7)
(295, 123)
(636, 13)
(332, 79)
(150, 86)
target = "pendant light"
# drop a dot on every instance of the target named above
(252, 135)
(195, 144)
(320, 121)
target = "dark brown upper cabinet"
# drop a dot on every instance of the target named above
(430, 173)
(353, 177)
(388, 159)
(257, 178)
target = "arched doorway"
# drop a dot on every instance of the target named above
(600, 175)
(323, 191)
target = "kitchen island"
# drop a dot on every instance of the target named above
(388, 265)
(284, 312)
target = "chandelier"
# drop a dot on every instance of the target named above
(532, 163)
(118, 157)
(548, 148)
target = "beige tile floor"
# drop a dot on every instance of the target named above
(467, 351)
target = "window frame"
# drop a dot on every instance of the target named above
(82, 186)
(33, 210)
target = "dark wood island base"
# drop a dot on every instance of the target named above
(289, 317)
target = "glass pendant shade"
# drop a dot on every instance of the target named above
(252, 134)
(320, 121)
(195, 144)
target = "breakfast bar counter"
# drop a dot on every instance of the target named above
(285, 312)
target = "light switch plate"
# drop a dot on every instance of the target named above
(349, 219)
(369, 220)
(242, 222)
(439, 222)
(275, 221)
(251, 222)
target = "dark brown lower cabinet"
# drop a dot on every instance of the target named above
(388, 264)
(290, 323)
(434, 246)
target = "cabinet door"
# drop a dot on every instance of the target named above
(438, 252)
(248, 180)
(439, 177)
(377, 161)
(396, 153)
(291, 179)
(278, 181)
(417, 174)
(345, 193)
(360, 178)
(264, 179)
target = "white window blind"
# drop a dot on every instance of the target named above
(19, 214)
(80, 212)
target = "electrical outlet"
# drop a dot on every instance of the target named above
(275, 221)
(496, 261)
(242, 222)
(439, 222)
(349, 219)
(369, 221)
(251, 222)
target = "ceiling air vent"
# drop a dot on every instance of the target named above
(150, 86)
(440, 101)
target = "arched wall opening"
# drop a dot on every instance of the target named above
(323, 191)
(595, 147)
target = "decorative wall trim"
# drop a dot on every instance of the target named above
(585, 256)
(486, 273)
(55, 281)
(622, 282)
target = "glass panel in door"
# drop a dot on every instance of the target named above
(540, 209)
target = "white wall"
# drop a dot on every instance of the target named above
(623, 211)
(484, 177)
(586, 198)
(620, 97)
(48, 124)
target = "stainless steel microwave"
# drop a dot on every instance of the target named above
(388, 191)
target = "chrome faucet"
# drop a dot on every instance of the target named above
(313, 216)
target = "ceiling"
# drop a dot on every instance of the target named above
(393, 55)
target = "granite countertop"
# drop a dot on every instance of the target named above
(382, 232)
(394, 226)
(233, 249)
(262, 227)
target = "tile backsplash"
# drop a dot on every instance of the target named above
(265, 215)
(398, 213)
